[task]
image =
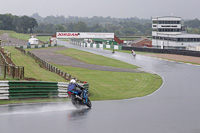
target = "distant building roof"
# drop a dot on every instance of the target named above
(139, 40)
(181, 35)
(156, 17)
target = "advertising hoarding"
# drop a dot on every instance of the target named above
(64, 35)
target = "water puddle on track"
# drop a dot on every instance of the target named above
(35, 108)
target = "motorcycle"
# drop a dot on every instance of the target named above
(80, 99)
(113, 51)
(134, 54)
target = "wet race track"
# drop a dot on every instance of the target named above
(174, 108)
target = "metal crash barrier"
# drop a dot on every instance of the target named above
(34, 89)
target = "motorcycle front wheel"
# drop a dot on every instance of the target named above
(89, 104)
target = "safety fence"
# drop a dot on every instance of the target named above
(165, 51)
(6, 69)
(152, 50)
(96, 45)
(34, 89)
(48, 66)
(37, 46)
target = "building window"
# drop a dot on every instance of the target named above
(155, 22)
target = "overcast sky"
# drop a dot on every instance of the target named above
(187, 9)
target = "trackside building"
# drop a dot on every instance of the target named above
(168, 32)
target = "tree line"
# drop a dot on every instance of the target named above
(20, 24)
(119, 26)
(193, 26)
(51, 24)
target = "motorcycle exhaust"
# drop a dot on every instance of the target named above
(78, 97)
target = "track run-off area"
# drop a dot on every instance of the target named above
(173, 108)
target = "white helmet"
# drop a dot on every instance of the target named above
(72, 81)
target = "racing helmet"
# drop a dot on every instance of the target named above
(72, 81)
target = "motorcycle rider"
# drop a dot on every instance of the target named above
(73, 86)
(133, 53)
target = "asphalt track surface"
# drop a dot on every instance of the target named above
(174, 108)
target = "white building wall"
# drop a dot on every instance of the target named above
(169, 43)
(198, 48)
(154, 33)
(173, 43)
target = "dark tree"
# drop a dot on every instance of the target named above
(32, 24)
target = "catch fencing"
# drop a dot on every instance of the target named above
(34, 89)
(165, 51)
(6, 69)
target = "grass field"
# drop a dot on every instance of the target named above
(22, 36)
(27, 36)
(5, 31)
(91, 58)
(106, 85)
(32, 69)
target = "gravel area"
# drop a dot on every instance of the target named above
(49, 56)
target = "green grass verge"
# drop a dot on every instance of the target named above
(32, 69)
(128, 39)
(18, 101)
(5, 31)
(27, 36)
(43, 38)
(7, 77)
(91, 58)
(106, 85)
(22, 36)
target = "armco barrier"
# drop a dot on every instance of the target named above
(165, 51)
(37, 46)
(33, 89)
